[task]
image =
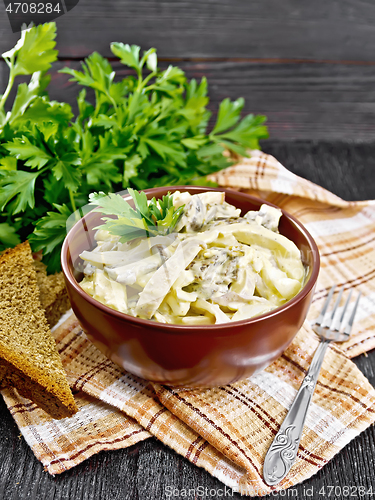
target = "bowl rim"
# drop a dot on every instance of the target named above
(176, 328)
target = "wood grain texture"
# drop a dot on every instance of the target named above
(302, 101)
(335, 29)
(344, 169)
(144, 471)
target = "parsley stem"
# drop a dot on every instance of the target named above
(72, 200)
(7, 90)
(97, 103)
(148, 78)
(114, 103)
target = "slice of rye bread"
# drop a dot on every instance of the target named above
(52, 293)
(53, 299)
(29, 360)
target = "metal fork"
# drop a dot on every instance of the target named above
(283, 450)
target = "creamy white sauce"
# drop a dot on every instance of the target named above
(217, 267)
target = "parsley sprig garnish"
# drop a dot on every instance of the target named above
(145, 219)
(145, 130)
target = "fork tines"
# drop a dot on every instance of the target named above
(333, 321)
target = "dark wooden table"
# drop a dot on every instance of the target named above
(308, 66)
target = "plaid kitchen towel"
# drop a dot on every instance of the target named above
(343, 230)
(228, 430)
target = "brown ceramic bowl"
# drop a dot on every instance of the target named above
(190, 356)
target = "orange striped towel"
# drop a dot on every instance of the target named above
(228, 430)
(343, 230)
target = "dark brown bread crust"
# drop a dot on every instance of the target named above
(56, 406)
(29, 360)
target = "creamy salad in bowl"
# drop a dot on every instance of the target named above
(213, 266)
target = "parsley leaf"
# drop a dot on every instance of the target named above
(41, 111)
(17, 186)
(147, 218)
(23, 149)
(33, 55)
(97, 74)
(8, 163)
(129, 55)
(49, 233)
(65, 169)
(228, 115)
(26, 94)
(8, 236)
(34, 50)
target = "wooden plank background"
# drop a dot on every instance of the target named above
(308, 66)
(295, 29)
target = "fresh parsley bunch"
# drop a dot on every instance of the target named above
(148, 129)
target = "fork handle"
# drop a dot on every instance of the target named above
(283, 451)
